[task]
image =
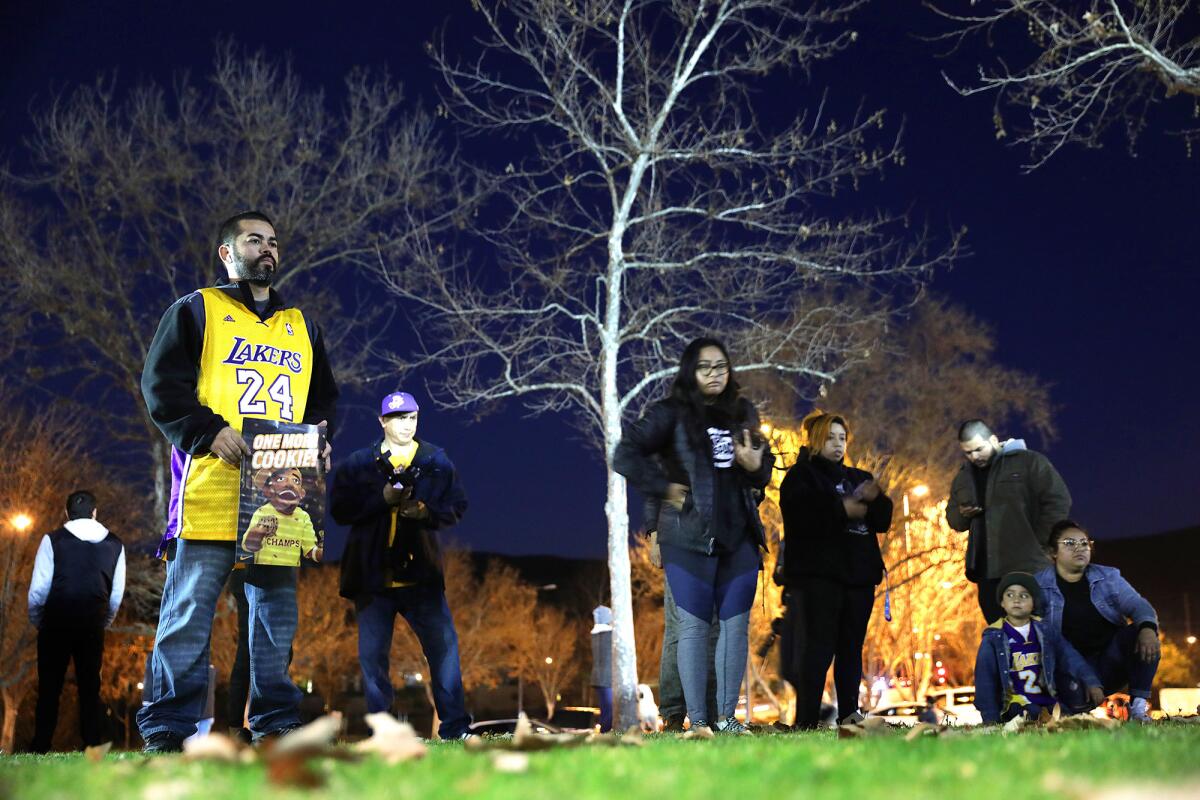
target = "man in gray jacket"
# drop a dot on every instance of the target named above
(1008, 497)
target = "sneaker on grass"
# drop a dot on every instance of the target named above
(732, 726)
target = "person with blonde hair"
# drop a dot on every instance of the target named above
(832, 514)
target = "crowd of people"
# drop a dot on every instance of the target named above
(1061, 629)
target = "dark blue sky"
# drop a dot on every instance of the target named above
(1086, 269)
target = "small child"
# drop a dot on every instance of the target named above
(1018, 658)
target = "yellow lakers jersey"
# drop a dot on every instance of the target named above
(248, 368)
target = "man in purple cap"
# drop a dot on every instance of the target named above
(396, 495)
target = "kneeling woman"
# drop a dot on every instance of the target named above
(698, 451)
(831, 515)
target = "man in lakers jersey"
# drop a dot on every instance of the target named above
(221, 355)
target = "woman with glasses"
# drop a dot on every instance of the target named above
(832, 514)
(699, 454)
(1113, 627)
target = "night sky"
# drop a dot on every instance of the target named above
(1085, 269)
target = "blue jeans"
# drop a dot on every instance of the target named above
(1117, 665)
(179, 664)
(427, 613)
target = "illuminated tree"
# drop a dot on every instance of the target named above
(547, 654)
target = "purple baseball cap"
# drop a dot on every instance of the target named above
(398, 403)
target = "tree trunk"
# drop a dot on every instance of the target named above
(161, 452)
(624, 658)
(12, 704)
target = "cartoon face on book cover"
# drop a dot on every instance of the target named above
(281, 508)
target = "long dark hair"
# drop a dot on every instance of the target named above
(686, 392)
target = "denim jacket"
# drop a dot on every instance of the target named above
(992, 684)
(1112, 596)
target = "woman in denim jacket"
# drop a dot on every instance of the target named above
(1112, 626)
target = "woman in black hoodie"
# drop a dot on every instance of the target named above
(698, 454)
(831, 515)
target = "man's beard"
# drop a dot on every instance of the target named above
(255, 272)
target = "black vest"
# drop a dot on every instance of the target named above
(83, 580)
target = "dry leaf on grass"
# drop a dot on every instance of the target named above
(1188, 791)
(97, 752)
(511, 762)
(215, 747)
(291, 769)
(392, 740)
(318, 736)
(702, 732)
(1083, 722)
(851, 731)
(924, 729)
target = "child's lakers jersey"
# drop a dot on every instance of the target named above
(248, 368)
(1025, 670)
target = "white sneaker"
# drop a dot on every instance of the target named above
(1139, 710)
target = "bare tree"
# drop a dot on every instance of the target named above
(115, 216)
(651, 205)
(46, 462)
(1090, 67)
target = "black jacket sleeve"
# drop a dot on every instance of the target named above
(879, 512)
(171, 374)
(322, 387)
(810, 510)
(357, 492)
(448, 503)
(634, 455)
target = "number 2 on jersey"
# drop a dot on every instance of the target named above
(280, 391)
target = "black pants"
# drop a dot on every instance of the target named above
(829, 623)
(56, 647)
(988, 603)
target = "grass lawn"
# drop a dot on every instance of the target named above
(812, 765)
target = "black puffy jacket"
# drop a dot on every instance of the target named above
(655, 451)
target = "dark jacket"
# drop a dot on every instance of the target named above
(816, 528)
(992, 684)
(655, 451)
(1113, 597)
(172, 372)
(1025, 497)
(356, 499)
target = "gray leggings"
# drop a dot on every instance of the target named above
(701, 584)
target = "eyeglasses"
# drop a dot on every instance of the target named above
(1076, 544)
(719, 368)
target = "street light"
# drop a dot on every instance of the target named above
(549, 660)
(920, 490)
(22, 522)
(1191, 640)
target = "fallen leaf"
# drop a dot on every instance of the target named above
(97, 752)
(317, 735)
(510, 762)
(702, 732)
(394, 741)
(215, 747)
(923, 729)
